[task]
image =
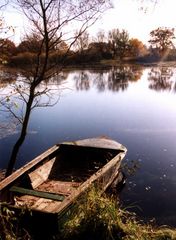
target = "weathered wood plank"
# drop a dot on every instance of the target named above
(60, 187)
(51, 196)
(27, 167)
(35, 203)
(40, 175)
(103, 178)
(47, 203)
(100, 142)
(43, 203)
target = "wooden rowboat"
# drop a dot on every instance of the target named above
(53, 181)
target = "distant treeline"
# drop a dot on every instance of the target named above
(115, 45)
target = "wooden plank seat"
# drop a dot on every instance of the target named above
(59, 187)
(37, 193)
(36, 203)
(46, 197)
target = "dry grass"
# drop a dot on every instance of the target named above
(95, 217)
(100, 217)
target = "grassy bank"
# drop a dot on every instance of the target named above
(97, 217)
(101, 217)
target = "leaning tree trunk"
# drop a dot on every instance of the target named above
(22, 136)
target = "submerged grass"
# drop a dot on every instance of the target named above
(100, 217)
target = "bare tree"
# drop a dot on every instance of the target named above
(3, 4)
(18, 103)
(5, 31)
(54, 21)
(82, 41)
(101, 37)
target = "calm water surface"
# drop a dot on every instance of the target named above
(131, 104)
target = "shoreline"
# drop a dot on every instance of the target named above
(99, 64)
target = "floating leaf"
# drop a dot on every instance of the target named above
(7, 99)
(16, 105)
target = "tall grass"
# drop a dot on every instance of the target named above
(9, 225)
(100, 217)
(95, 217)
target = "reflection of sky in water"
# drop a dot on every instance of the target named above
(126, 109)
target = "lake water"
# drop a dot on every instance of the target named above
(134, 105)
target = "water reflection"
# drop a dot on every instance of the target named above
(111, 102)
(161, 79)
(7, 77)
(82, 81)
(120, 77)
(115, 79)
(19, 99)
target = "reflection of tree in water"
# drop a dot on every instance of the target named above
(174, 87)
(7, 77)
(86, 79)
(82, 81)
(57, 78)
(19, 101)
(160, 78)
(119, 77)
(101, 82)
(115, 79)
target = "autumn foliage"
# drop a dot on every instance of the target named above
(115, 44)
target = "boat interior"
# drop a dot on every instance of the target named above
(57, 176)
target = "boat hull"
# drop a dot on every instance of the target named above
(46, 188)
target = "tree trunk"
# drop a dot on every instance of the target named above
(21, 139)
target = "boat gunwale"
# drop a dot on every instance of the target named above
(27, 167)
(68, 201)
(9, 181)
